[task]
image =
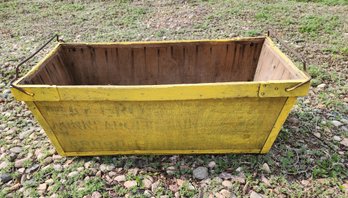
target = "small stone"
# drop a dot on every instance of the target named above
(23, 178)
(265, 181)
(190, 186)
(54, 196)
(212, 164)
(16, 149)
(42, 187)
(120, 178)
(21, 170)
(316, 134)
(47, 160)
(174, 188)
(112, 173)
(25, 134)
(3, 165)
(225, 175)
(12, 157)
(225, 193)
(180, 182)
(345, 187)
(147, 193)
(344, 128)
(344, 142)
(39, 155)
(200, 173)
(4, 178)
(227, 184)
(80, 169)
(130, 184)
(87, 164)
(15, 187)
(345, 121)
(266, 168)
(147, 182)
(255, 195)
(293, 121)
(103, 167)
(336, 123)
(337, 138)
(239, 169)
(239, 179)
(20, 163)
(57, 167)
(154, 186)
(32, 168)
(133, 171)
(321, 86)
(56, 157)
(171, 170)
(73, 174)
(305, 182)
(96, 195)
(49, 181)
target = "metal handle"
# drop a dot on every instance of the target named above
(270, 33)
(56, 36)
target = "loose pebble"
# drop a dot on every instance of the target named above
(200, 173)
(266, 168)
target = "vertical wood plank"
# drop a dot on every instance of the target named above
(219, 62)
(151, 62)
(125, 65)
(102, 66)
(190, 60)
(177, 55)
(139, 65)
(204, 69)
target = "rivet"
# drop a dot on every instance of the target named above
(262, 93)
(276, 88)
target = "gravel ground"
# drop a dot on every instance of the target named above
(309, 158)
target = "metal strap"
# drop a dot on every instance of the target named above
(271, 33)
(56, 36)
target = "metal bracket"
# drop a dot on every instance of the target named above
(56, 36)
(271, 33)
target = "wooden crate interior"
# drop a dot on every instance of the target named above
(163, 63)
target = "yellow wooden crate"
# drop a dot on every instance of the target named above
(168, 97)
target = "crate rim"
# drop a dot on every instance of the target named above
(261, 85)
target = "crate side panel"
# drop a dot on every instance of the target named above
(273, 66)
(278, 124)
(224, 124)
(42, 121)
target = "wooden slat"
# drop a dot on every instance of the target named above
(139, 65)
(190, 59)
(177, 56)
(102, 65)
(219, 63)
(125, 65)
(204, 69)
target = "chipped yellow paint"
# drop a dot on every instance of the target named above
(45, 126)
(200, 126)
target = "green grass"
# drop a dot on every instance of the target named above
(318, 24)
